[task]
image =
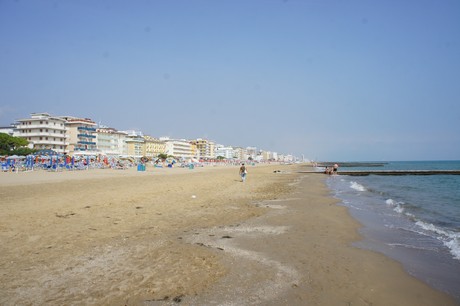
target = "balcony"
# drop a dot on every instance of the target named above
(53, 142)
(85, 128)
(41, 126)
(42, 134)
(85, 149)
(86, 136)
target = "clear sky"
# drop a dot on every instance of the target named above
(333, 80)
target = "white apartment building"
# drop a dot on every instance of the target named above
(82, 135)
(43, 131)
(111, 142)
(286, 158)
(179, 148)
(226, 152)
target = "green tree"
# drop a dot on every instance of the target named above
(162, 156)
(10, 145)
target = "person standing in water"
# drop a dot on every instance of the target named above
(243, 172)
(335, 168)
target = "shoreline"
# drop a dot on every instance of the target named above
(142, 237)
(317, 266)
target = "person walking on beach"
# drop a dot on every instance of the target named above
(243, 172)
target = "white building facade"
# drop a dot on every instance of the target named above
(179, 148)
(226, 152)
(43, 131)
(111, 142)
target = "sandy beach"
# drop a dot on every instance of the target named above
(189, 237)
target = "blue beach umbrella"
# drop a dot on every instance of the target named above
(28, 162)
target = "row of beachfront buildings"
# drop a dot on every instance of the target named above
(83, 136)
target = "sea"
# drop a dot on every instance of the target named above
(414, 219)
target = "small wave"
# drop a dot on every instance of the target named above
(397, 206)
(454, 247)
(399, 209)
(432, 228)
(409, 246)
(450, 239)
(390, 202)
(357, 186)
(411, 216)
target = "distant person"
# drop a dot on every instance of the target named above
(243, 172)
(335, 168)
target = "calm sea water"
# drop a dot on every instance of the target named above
(413, 219)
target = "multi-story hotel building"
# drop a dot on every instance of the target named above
(154, 147)
(205, 148)
(135, 144)
(193, 150)
(43, 131)
(82, 135)
(251, 152)
(111, 142)
(178, 148)
(240, 153)
(225, 152)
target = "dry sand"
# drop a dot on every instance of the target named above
(194, 237)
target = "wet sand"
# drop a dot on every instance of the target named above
(194, 237)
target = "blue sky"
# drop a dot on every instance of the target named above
(333, 80)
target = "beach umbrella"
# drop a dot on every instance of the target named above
(28, 162)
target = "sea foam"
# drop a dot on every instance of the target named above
(449, 238)
(357, 186)
(397, 206)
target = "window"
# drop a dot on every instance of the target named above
(46, 138)
(41, 130)
(41, 138)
